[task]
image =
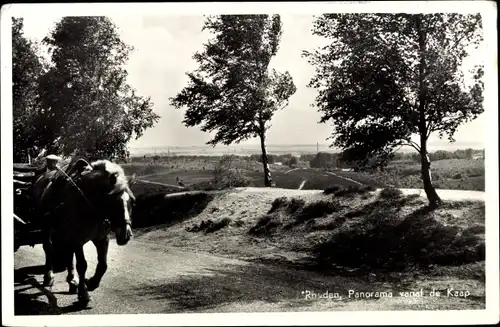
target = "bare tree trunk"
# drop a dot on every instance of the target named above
(268, 181)
(430, 191)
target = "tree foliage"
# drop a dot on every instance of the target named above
(84, 95)
(368, 77)
(358, 158)
(324, 160)
(233, 92)
(27, 67)
(387, 77)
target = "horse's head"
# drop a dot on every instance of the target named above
(107, 184)
(119, 212)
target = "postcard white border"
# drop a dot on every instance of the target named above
(489, 315)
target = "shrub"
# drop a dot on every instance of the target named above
(391, 193)
(332, 189)
(233, 178)
(218, 225)
(409, 171)
(316, 210)
(293, 162)
(277, 204)
(238, 223)
(209, 226)
(297, 209)
(473, 230)
(359, 212)
(226, 175)
(295, 205)
(413, 197)
(204, 224)
(458, 204)
(332, 225)
(289, 206)
(265, 225)
(352, 190)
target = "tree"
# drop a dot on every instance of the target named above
(84, 95)
(27, 67)
(233, 92)
(324, 160)
(358, 158)
(293, 161)
(387, 77)
(466, 153)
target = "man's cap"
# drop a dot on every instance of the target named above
(53, 157)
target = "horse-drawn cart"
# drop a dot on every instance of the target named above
(26, 231)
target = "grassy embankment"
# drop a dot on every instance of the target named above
(386, 238)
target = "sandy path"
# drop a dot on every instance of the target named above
(344, 178)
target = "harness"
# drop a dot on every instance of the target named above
(70, 177)
(73, 175)
(72, 182)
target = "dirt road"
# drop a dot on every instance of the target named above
(148, 278)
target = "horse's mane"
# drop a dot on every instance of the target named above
(113, 169)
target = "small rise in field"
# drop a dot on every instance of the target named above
(152, 209)
(455, 174)
(391, 231)
(386, 238)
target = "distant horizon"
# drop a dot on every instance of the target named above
(272, 145)
(296, 149)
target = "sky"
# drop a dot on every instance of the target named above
(164, 46)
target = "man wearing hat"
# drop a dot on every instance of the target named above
(52, 161)
(48, 201)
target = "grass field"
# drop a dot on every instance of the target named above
(460, 174)
(314, 179)
(454, 174)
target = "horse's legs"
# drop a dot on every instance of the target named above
(70, 278)
(81, 268)
(102, 263)
(48, 278)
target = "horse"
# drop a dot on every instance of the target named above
(82, 203)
